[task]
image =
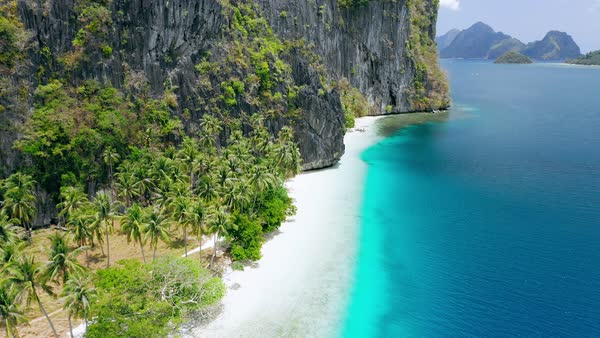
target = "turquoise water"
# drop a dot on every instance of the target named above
(488, 224)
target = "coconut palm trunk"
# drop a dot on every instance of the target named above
(87, 258)
(254, 199)
(142, 248)
(107, 249)
(71, 327)
(215, 249)
(9, 333)
(185, 239)
(43, 309)
(200, 238)
(28, 230)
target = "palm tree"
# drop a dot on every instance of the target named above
(205, 163)
(11, 313)
(77, 296)
(104, 218)
(8, 253)
(261, 180)
(144, 183)
(20, 199)
(111, 157)
(72, 198)
(210, 129)
(162, 168)
(162, 192)
(180, 207)
(27, 275)
(208, 187)
(133, 226)
(8, 231)
(218, 224)
(236, 194)
(156, 228)
(62, 260)
(127, 187)
(259, 137)
(188, 154)
(81, 227)
(195, 217)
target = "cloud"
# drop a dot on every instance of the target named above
(450, 4)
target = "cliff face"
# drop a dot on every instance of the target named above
(385, 49)
(370, 45)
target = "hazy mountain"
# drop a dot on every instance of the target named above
(446, 39)
(555, 46)
(474, 42)
(480, 41)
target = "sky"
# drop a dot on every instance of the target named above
(527, 20)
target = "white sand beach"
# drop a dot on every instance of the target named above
(300, 286)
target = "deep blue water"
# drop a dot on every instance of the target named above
(487, 224)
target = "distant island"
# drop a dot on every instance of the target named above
(513, 57)
(590, 59)
(480, 41)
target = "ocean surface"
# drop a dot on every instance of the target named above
(486, 223)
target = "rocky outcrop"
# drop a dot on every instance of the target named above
(138, 45)
(554, 46)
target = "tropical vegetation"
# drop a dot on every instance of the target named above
(231, 190)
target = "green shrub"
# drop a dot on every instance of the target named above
(275, 206)
(246, 238)
(136, 300)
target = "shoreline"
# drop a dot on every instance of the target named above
(301, 284)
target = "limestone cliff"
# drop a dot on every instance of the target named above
(199, 49)
(385, 48)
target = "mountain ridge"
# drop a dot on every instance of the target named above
(481, 41)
